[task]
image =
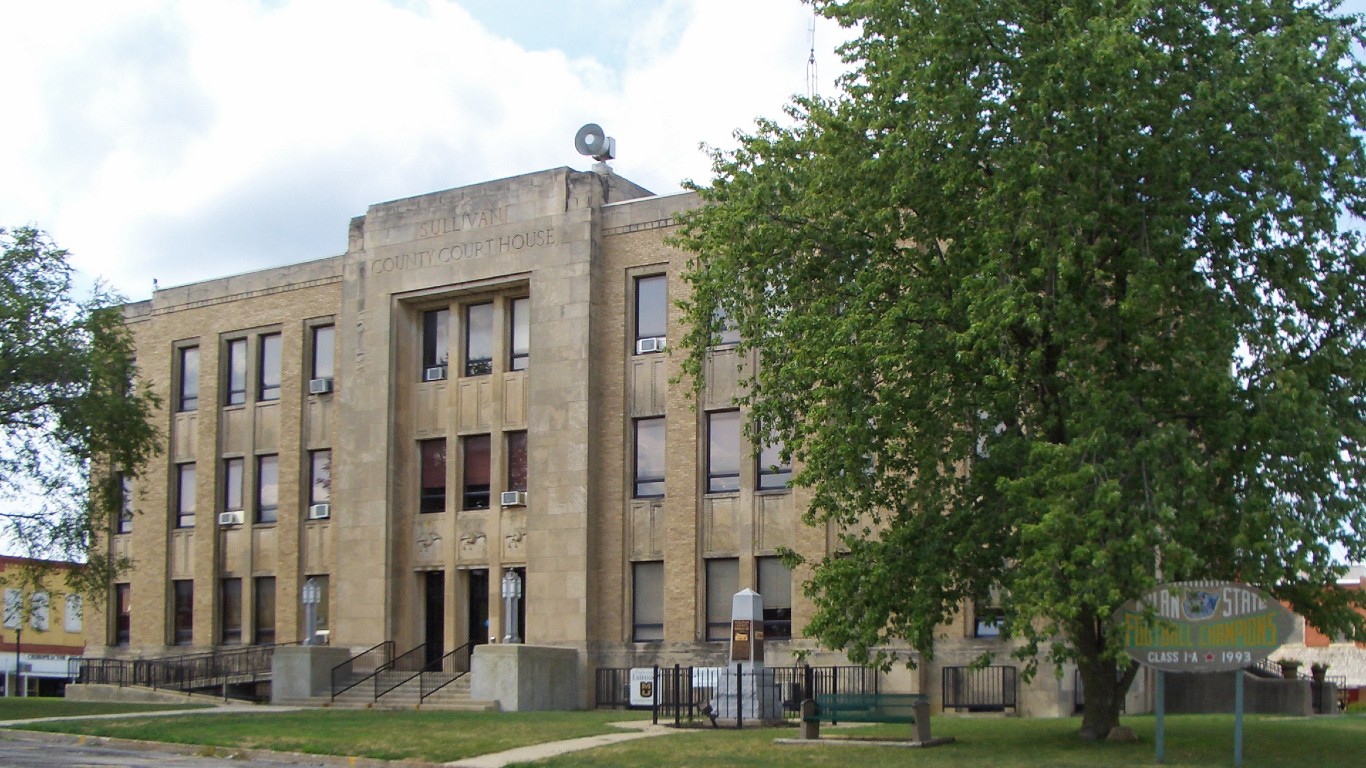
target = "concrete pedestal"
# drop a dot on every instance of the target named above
(301, 672)
(526, 678)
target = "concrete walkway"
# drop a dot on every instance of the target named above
(638, 730)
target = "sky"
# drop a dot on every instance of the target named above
(181, 141)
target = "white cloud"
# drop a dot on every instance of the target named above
(188, 140)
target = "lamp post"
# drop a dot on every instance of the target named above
(311, 597)
(512, 593)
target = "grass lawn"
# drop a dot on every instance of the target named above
(1192, 740)
(389, 735)
(20, 708)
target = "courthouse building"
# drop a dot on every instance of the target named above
(481, 384)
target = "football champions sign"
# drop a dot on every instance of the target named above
(1203, 626)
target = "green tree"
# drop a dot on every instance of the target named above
(72, 415)
(1056, 299)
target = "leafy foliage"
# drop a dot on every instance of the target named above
(71, 413)
(1057, 299)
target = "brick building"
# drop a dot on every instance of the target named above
(481, 384)
(43, 626)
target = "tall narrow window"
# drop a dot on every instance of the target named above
(233, 473)
(230, 611)
(774, 473)
(436, 342)
(433, 475)
(647, 601)
(264, 611)
(39, 606)
(269, 370)
(73, 615)
(478, 339)
(183, 626)
(267, 488)
(237, 372)
(189, 379)
(475, 493)
(775, 584)
(324, 352)
(319, 477)
(649, 461)
(184, 496)
(125, 521)
(520, 341)
(652, 313)
(726, 330)
(723, 451)
(723, 581)
(516, 461)
(123, 614)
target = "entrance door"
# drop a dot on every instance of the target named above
(434, 617)
(478, 582)
(521, 605)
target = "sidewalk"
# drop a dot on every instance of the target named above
(639, 730)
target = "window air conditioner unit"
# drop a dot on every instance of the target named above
(513, 499)
(435, 373)
(230, 518)
(654, 344)
(319, 511)
(319, 386)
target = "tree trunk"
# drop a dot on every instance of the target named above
(1104, 682)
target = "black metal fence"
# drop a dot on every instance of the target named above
(217, 669)
(450, 668)
(989, 689)
(690, 694)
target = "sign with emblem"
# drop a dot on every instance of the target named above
(1203, 626)
(642, 685)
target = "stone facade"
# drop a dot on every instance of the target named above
(409, 549)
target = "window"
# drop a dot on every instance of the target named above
(652, 313)
(436, 337)
(232, 484)
(774, 473)
(723, 451)
(775, 584)
(479, 339)
(726, 330)
(324, 352)
(320, 611)
(125, 521)
(184, 496)
(475, 494)
(723, 581)
(189, 379)
(39, 607)
(123, 614)
(183, 612)
(988, 617)
(319, 477)
(269, 385)
(520, 342)
(433, 475)
(264, 610)
(647, 602)
(14, 609)
(267, 488)
(516, 461)
(237, 372)
(73, 614)
(649, 461)
(230, 611)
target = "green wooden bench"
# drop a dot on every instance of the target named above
(867, 708)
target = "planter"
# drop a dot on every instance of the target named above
(1290, 669)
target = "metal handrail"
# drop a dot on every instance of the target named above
(453, 666)
(345, 675)
(184, 673)
(403, 668)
